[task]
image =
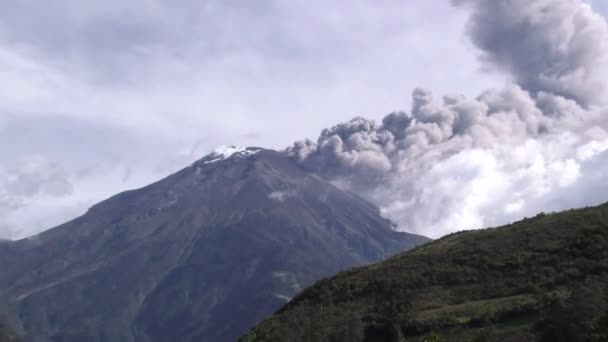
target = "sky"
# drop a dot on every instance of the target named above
(100, 97)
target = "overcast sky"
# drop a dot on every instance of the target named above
(97, 97)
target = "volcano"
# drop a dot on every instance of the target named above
(201, 255)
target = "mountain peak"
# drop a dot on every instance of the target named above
(229, 151)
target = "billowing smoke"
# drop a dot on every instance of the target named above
(461, 163)
(546, 45)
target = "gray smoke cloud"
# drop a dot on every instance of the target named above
(462, 163)
(547, 45)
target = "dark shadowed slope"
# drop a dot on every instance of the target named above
(544, 278)
(199, 256)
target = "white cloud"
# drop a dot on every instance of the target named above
(489, 187)
(281, 195)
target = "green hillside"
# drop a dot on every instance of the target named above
(543, 278)
(6, 334)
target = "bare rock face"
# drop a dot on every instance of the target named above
(201, 255)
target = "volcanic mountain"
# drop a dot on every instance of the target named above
(201, 255)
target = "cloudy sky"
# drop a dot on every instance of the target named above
(97, 97)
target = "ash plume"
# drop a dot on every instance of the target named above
(546, 45)
(462, 163)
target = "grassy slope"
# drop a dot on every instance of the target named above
(544, 278)
(7, 335)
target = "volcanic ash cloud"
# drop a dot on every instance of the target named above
(462, 163)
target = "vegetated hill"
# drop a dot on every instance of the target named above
(199, 256)
(7, 335)
(543, 278)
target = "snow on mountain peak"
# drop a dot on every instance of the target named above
(225, 152)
